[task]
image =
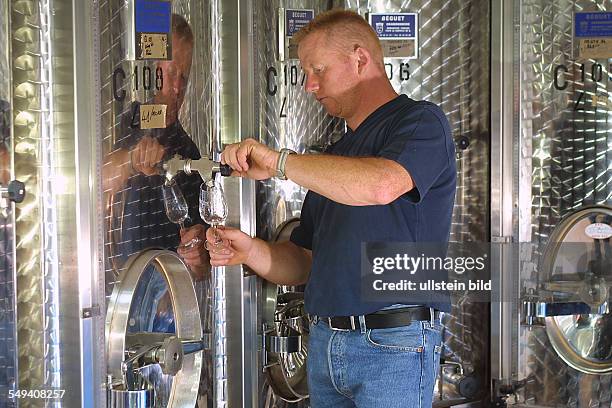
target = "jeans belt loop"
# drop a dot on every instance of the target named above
(362, 324)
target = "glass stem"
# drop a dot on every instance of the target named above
(218, 239)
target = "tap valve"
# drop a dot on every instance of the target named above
(206, 167)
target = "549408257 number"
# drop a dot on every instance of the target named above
(36, 394)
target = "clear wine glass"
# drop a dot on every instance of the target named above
(213, 208)
(177, 209)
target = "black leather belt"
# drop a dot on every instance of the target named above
(383, 319)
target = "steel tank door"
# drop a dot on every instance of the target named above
(451, 69)
(561, 348)
(154, 334)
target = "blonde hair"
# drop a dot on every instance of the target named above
(346, 30)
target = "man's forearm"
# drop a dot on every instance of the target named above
(346, 180)
(283, 263)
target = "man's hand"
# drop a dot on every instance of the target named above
(251, 159)
(234, 249)
(283, 263)
(195, 256)
(146, 155)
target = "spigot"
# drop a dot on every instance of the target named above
(206, 167)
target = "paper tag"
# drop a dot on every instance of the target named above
(398, 48)
(596, 48)
(598, 230)
(153, 46)
(602, 101)
(152, 116)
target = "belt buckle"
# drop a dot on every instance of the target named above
(351, 318)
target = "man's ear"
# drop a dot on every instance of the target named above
(363, 58)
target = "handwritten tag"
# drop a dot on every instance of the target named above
(596, 48)
(153, 46)
(152, 116)
(398, 48)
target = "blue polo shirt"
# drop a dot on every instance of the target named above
(415, 134)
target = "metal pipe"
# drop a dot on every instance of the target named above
(215, 70)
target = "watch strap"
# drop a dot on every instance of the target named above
(282, 161)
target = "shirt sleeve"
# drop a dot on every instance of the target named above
(303, 233)
(421, 143)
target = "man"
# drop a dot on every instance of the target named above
(131, 170)
(390, 178)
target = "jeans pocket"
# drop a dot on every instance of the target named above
(405, 339)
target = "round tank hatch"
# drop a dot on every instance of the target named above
(578, 268)
(152, 324)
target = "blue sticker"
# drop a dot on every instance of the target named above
(296, 19)
(153, 16)
(396, 26)
(592, 25)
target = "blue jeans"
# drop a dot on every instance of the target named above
(373, 368)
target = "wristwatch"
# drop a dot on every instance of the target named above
(282, 160)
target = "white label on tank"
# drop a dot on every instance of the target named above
(599, 230)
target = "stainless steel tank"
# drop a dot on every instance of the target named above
(554, 112)
(8, 333)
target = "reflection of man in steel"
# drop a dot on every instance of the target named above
(391, 178)
(131, 171)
